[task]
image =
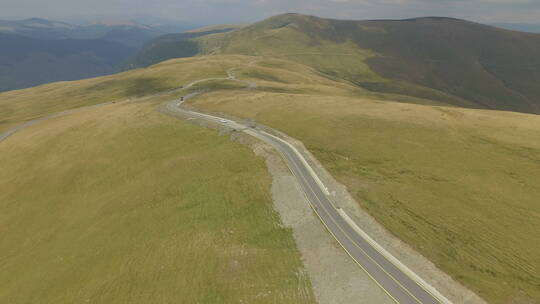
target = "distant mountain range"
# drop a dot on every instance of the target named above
(448, 60)
(522, 27)
(37, 51)
(173, 46)
(128, 33)
(26, 62)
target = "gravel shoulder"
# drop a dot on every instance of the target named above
(454, 291)
(335, 277)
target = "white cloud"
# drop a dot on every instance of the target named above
(217, 11)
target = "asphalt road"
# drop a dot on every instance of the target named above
(394, 278)
(399, 282)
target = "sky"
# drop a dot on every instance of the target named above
(206, 12)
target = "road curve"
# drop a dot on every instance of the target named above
(401, 284)
(7, 133)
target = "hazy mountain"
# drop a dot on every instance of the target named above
(26, 62)
(173, 46)
(36, 51)
(522, 27)
(128, 33)
(37, 28)
(167, 25)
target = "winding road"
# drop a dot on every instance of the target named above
(398, 281)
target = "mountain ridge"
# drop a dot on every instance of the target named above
(36, 51)
(426, 51)
(171, 46)
(131, 34)
(455, 61)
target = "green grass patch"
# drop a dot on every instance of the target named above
(136, 87)
(459, 185)
(121, 204)
(22, 105)
(261, 75)
(217, 85)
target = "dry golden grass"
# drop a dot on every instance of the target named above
(345, 59)
(22, 105)
(121, 204)
(459, 185)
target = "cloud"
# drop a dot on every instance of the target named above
(218, 11)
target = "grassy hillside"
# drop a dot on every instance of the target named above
(462, 61)
(23, 105)
(496, 69)
(449, 60)
(171, 46)
(459, 185)
(229, 27)
(121, 204)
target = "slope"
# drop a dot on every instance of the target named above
(172, 46)
(449, 60)
(121, 204)
(23, 105)
(446, 59)
(456, 184)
